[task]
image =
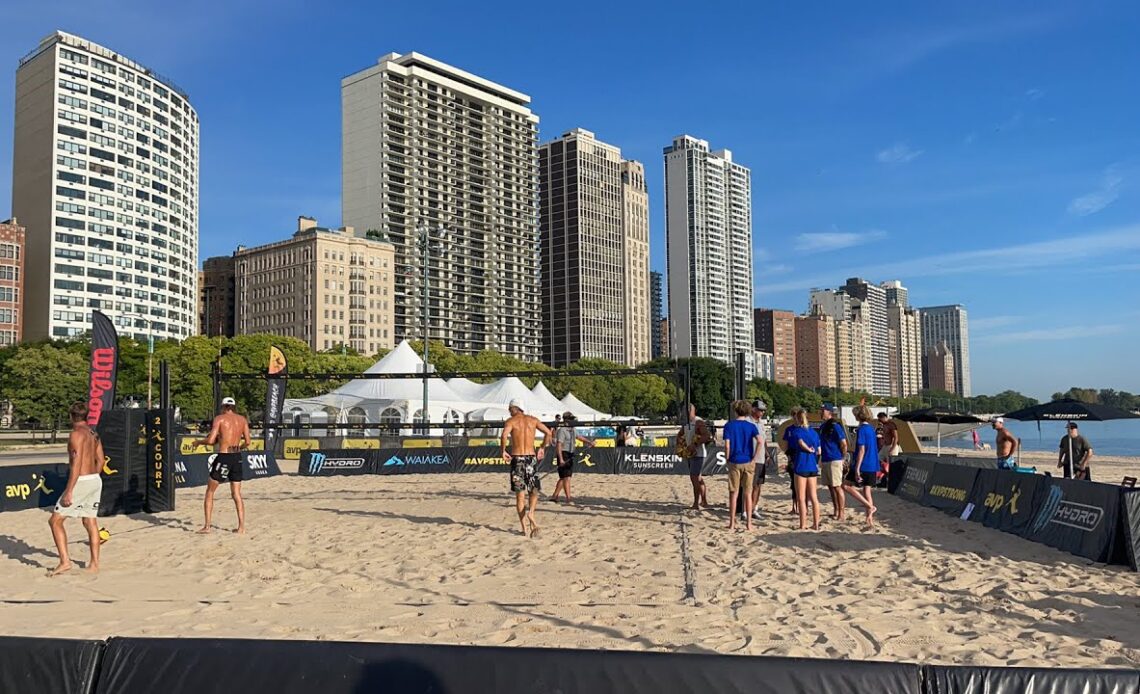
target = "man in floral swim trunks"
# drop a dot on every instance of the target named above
(518, 435)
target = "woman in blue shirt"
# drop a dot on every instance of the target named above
(864, 472)
(805, 466)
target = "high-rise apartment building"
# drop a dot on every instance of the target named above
(939, 368)
(853, 349)
(11, 282)
(897, 294)
(775, 333)
(326, 287)
(659, 339)
(708, 210)
(949, 324)
(873, 300)
(666, 346)
(905, 336)
(216, 291)
(429, 146)
(765, 365)
(105, 180)
(635, 239)
(816, 361)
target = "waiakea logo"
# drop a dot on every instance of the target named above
(1067, 513)
(320, 461)
(437, 459)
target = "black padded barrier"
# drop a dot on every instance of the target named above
(954, 679)
(189, 666)
(48, 666)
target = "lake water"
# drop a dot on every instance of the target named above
(1120, 437)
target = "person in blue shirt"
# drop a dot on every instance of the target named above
(742, 446)
(864, 472)
(833, 457)
(804, 444)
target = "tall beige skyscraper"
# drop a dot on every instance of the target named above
(905, 336)
(326, 287)
(594, 223)
(426, 145)
(105, 180)
(635, 237)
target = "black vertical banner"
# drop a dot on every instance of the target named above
(160, 453)
(274, 395)
(104, 368)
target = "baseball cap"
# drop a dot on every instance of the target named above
(998, 420)
(759, 405)
(516, 402)
(229, 401)
(1073, 425)
(568, 416)
(829, 407)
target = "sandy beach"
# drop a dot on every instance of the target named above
(438, 559)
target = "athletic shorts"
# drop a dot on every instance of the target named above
(695, 466)
(740, 475)
(226, 467)
(833, 473)
(861, 479)
(524, 474)
(566, 470)
(805, 475)
(761, 473)
(84, 498)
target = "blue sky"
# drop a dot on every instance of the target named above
(984, 153)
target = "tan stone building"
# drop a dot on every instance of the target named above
(940, 368)
(816, 362)
(327, 287)
(904, 327)
(216, 297)
(11, 282)
(776, 334)
(635, 238)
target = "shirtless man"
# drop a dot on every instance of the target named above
(230, 432)
(518, 435)
(80, 498)
(1006, 446)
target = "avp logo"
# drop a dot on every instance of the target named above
(23, 491)
(485, 460)
(585, 460)
(996, 502)
(1067, 513)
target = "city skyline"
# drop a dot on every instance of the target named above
(1024, 181)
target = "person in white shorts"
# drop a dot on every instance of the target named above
(80, 498)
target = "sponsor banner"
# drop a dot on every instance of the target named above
(400, 461)
(360, 443)
(293, 447)
(1006, 500)
(915, 480)
(274, 394)
(194, 470)
(104, 368)
(337, 462)
(31, 486)
(186, 446)
(950, 488)
(652, 461)
(1076, 516)
(1130, 526)
(160, 456)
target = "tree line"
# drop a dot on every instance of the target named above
(42, 379)
(1121, 399)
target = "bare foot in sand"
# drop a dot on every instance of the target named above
(204, 531)
(534, 529)
(91, 570)
(871, 516)
(240, 531)
(694, 507)
(62, 568)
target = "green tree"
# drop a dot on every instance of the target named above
(43, 381)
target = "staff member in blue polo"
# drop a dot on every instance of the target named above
(742, 446)
(864, 471)
(833, 457)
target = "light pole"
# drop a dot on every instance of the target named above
(428, 246)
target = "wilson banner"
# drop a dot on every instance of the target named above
(104, 368)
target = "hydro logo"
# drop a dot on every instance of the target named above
(1067, 513)
(320, 461)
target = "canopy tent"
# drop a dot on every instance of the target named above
(581, 410)
(545, 398)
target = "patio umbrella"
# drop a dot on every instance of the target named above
(939, 416)
(1068, 409)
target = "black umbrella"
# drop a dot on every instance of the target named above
(940, 416)
(1068, 409)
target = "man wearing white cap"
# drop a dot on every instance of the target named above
(1006, 445)
(230, 432)
(518, 435)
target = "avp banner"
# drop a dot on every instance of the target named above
(194, 470)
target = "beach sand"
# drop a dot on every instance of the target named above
(439, 559)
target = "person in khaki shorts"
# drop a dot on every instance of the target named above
(742, 447)
(833, 457)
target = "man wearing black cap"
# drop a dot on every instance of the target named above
(565, 436)
(1075, 454)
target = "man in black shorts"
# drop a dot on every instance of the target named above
(230, 432)
(565, 436)
(518, 435)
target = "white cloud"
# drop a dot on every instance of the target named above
(898, 153)
(1110, 244)
(1073, 332)
(835, 240)
(992, 322)
(1091, 203)
(1034, 94)
(777, 269)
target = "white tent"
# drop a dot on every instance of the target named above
(581, 410)
(501, 392)
(545, 398)
(468, 389)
